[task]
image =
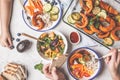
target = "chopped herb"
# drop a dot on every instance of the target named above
(52, 47)
(91, 22)
(47, 40)
(39, 67)
(97, 25)
(61, 49)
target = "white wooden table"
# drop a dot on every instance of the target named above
(31, 57)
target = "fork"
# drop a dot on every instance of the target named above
(107, 55)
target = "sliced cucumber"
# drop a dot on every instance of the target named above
(96, 10)
(118, 18)
(103, 14)
(47, 7)
(71, 20)
(97, 2)
(76, 16)
(108, 41)
(53, 17)
(55, 10)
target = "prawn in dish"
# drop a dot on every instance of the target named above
(41, 15)
(97, 19)
(82, 65)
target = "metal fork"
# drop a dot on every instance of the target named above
(110, 54)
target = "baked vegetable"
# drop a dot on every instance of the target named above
(108, 41)
(53, 17)
(96, 10)
(47, 7)
(71, 20)
(102, 14)
(55, 10)
(75, 16)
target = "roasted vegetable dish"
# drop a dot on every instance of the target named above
(51, 45)
(99, 18)
(41, 13)
(82, 64)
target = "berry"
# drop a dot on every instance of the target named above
(17, 39)
(18, 34)
(55, 3)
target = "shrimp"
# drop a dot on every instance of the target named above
(113, 34)
(87, 5)
(83, 23)
(103, 35)
(37, 21)
(108, 8)
(109, 27)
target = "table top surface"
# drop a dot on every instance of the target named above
(31, 56)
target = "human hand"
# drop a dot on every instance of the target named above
(5, 39)
(54, 74)
(113, 63)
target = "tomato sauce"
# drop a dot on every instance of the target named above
(74, 37)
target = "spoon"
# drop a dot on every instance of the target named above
(27, 35)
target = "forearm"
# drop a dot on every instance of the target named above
(6, 6)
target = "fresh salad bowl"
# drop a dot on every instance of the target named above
(52, 44)
(42, 15)
(81, 64)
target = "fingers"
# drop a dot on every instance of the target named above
(118, 58)
(54, 73)
(6, 43)
(107, 60)
(46, 71)
(114, 55)
(10, 42)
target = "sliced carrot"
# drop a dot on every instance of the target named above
(103, 35)
(30, 10)
(31, 3)
(77, 66)
(75, 56)
(37, 5)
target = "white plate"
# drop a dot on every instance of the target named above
(64, 40)
(54, 24)
(91, 51)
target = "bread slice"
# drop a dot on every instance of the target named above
(23, 71)
(9, 75)
(14, 71)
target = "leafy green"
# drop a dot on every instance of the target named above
(91, 22)
(97, 25)
(47, 40)
(42, 43)
(61, 49)
(52, 47)
(39, 67)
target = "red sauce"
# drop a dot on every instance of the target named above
(74, 37)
